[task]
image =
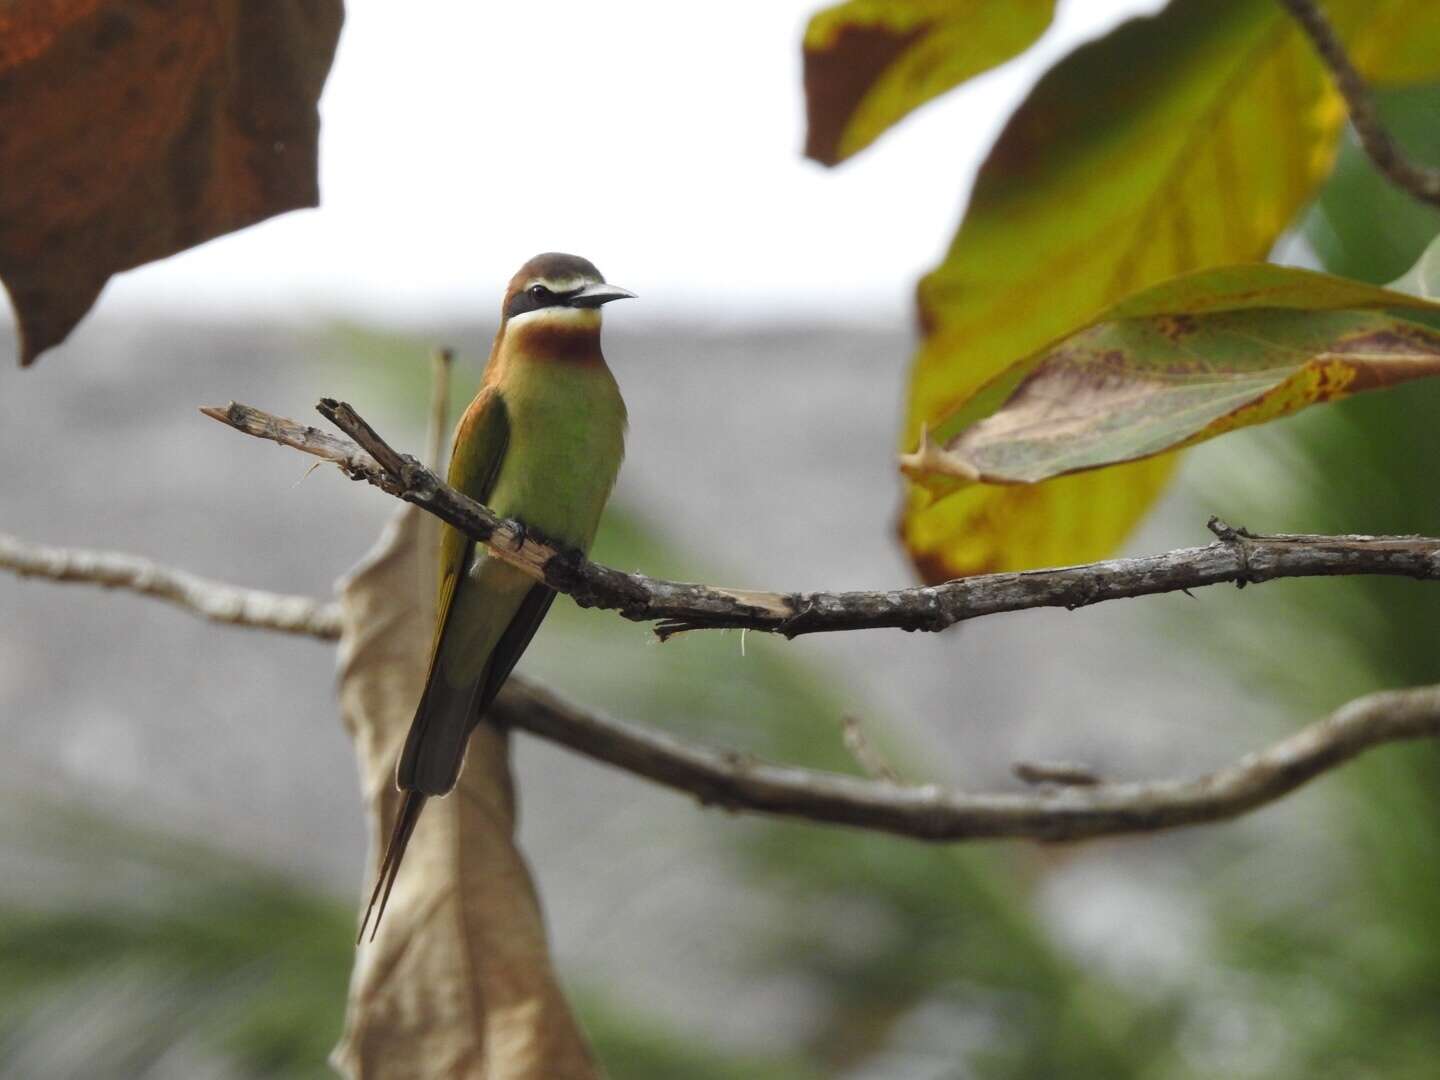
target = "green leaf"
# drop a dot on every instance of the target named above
(1183, 362)
(1181, 141)
(869, 63)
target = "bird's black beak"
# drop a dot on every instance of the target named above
(592, 296)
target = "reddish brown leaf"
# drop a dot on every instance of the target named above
(837, 80)
(133, 129)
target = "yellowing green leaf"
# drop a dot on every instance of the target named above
(1185, 361)
(868, 63)
(1185, 140)
(1400, 45)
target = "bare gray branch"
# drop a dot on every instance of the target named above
(211, 600)
(931, 812)
(1237, 557)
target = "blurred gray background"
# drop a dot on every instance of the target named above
(762, 456)
(181, 843)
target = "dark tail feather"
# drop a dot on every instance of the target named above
(429, 764)
(410, 809)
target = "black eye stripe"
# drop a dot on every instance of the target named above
(523, 301)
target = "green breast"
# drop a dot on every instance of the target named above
(567, 436)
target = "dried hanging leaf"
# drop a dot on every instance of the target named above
(458, 980)
(131, 130)
(1180, 363)
(870, 63)
(1185, 140)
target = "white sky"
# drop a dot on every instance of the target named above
(663, 143)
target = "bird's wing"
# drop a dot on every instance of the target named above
(481, 439)
(513, 643)
(483, 443)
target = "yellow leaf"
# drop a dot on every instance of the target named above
(1073, 519)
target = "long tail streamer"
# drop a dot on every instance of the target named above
(390, 865)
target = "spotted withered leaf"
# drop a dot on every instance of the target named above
(1185, 361)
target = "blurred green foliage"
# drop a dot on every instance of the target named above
(1342, 948)
(162, 956)
(633, 1045)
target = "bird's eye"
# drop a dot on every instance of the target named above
(539, 292)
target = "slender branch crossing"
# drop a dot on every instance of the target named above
(1421, 181)
(213, 600)
(1236, 556)
(1071, 811)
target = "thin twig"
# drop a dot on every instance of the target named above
(739, 782)
(1063, 773)
(1238, 558)
(429, 526)
(209, 599)
(1421, 181)
(414, 483)
(870, 760)
(930, 812)
(351, 459)
(441, 363)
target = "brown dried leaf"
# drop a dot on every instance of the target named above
(133, 129)
(458, 980)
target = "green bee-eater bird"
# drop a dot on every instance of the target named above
(542, 443)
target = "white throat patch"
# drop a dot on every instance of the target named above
(558, 316)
